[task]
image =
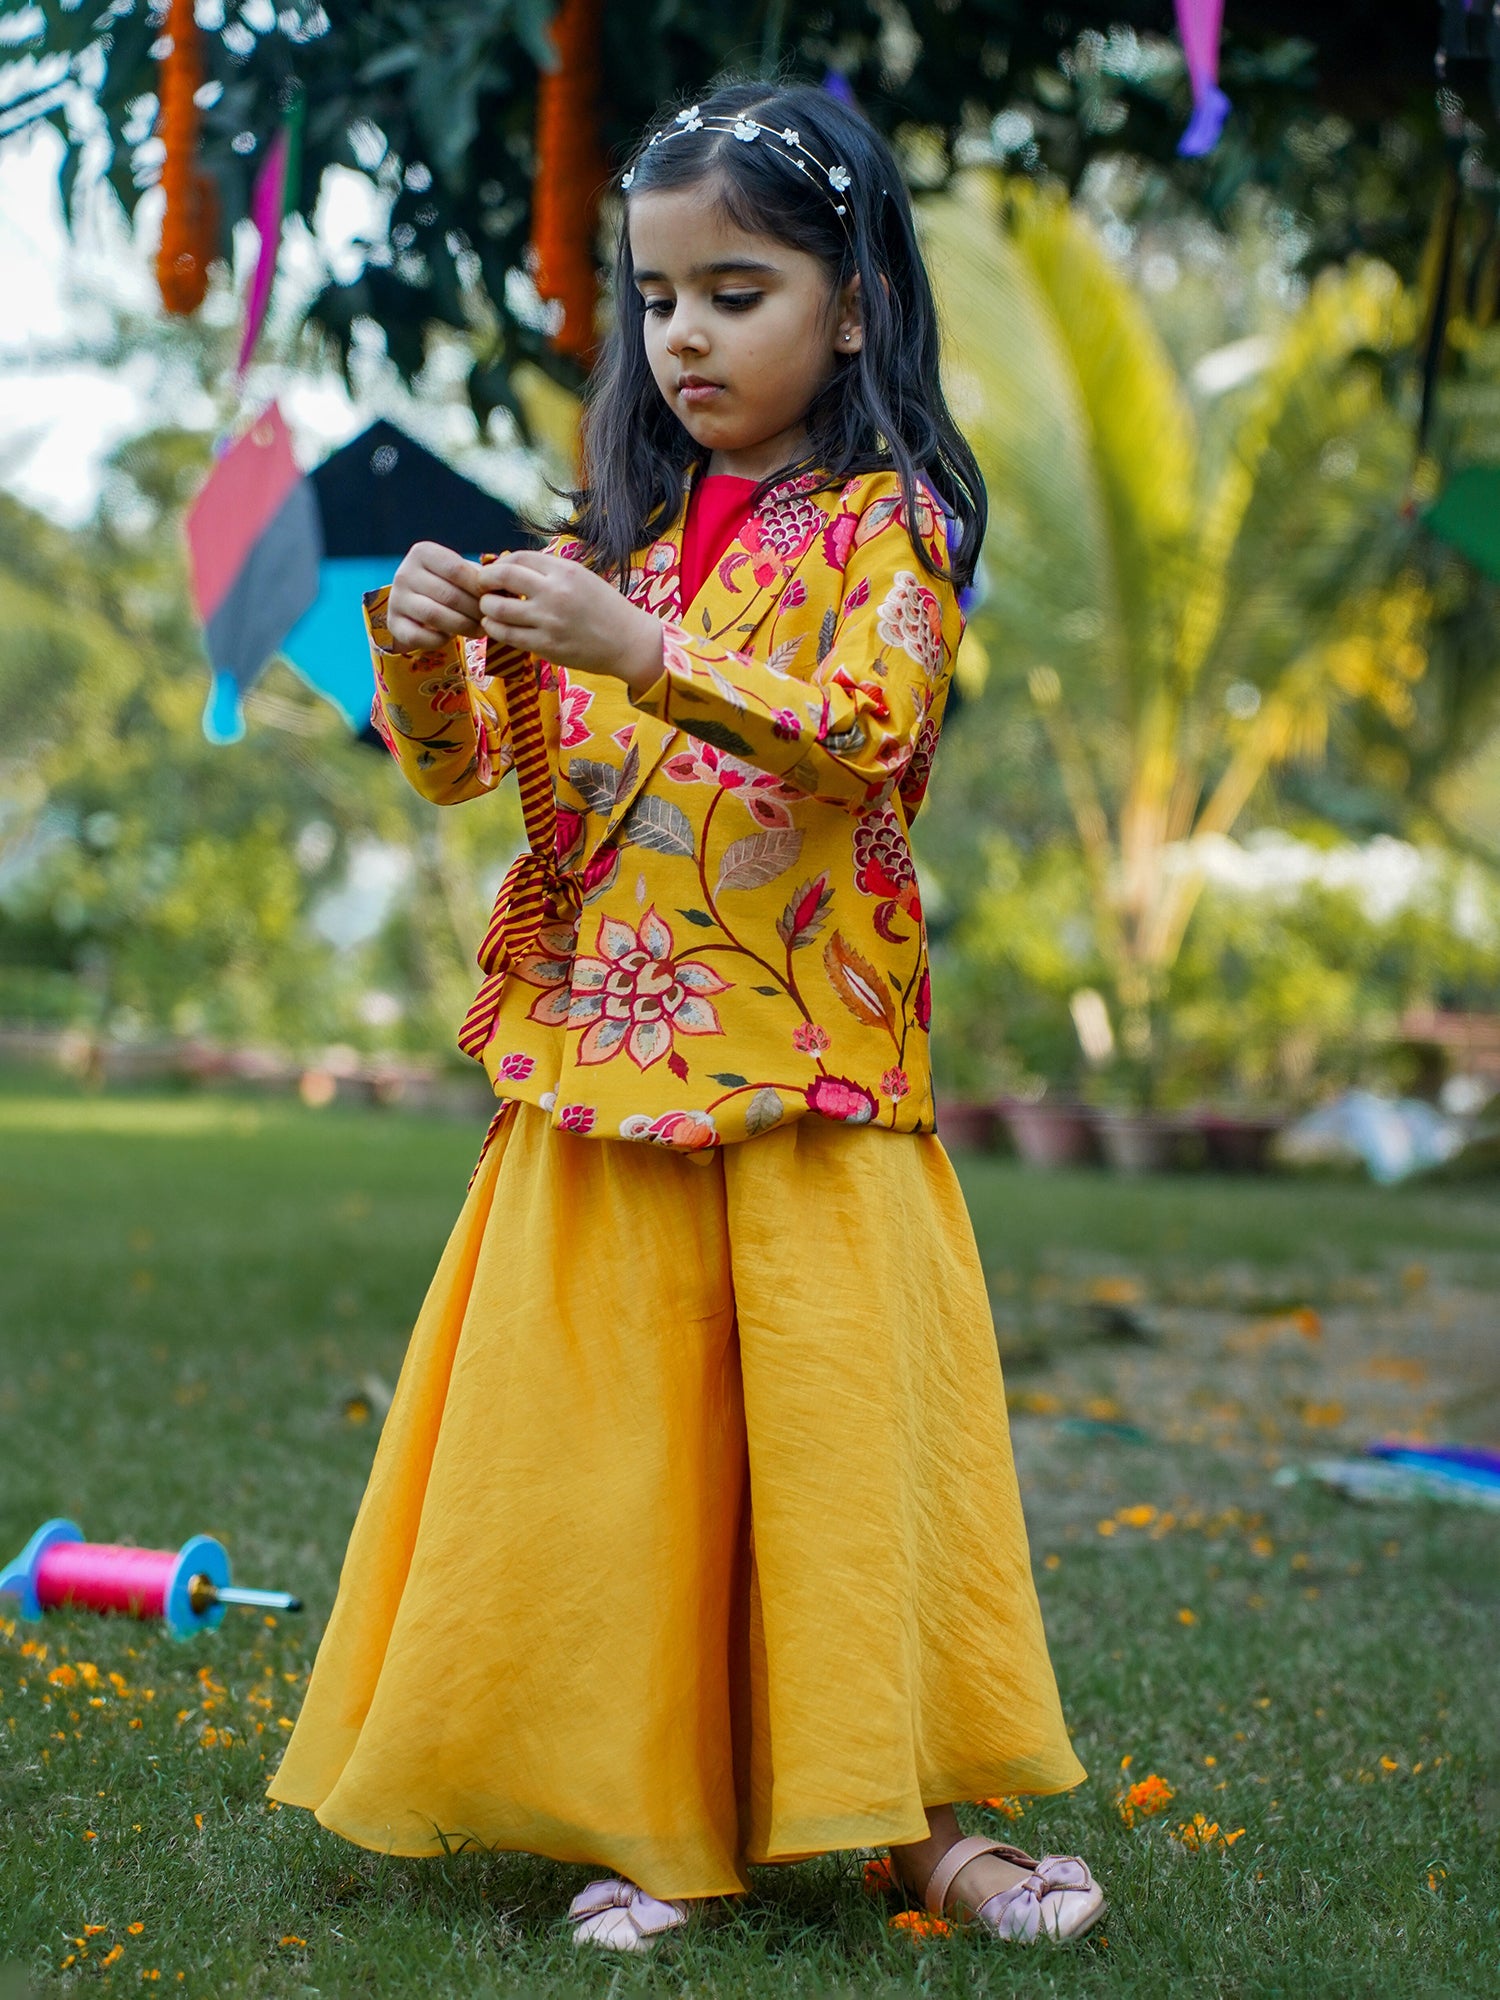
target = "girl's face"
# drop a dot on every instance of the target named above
(741, 330)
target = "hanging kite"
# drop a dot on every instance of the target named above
(280, 559)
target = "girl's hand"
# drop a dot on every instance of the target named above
(548, 605)
(434, 597)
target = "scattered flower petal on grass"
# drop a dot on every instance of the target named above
(1186, 1617)
(1201, 1835)
(1116, 1291)
(1011, 1807)
(291, 1942)
(877, 1878)
(1147, 1797)
(917, 1924)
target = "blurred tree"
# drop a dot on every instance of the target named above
(1189, 609)
(436, 106)
(149, 879)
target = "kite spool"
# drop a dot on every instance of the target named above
(187, 1589)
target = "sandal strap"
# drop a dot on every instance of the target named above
(952, 1864)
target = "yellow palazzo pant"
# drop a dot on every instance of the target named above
(693, 1536)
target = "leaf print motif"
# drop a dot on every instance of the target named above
(825, 635)
(660, 826)
(802, 919)
(765, 1110)
(730, 1078)
(857, 983)
(729, 694)
(720, 735)
(874, 518)
(759, 858)
(595, 783)
(399, 716)
(628, 770)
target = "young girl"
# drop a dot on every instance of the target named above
(693, 1538)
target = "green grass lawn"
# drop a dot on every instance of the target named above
(192, 1291)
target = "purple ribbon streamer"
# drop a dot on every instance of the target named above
(267, 205)
(1200, 23)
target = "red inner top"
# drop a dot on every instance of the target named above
(718, 508)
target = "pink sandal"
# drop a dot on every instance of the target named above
(617, 1916)
(1057, 1899)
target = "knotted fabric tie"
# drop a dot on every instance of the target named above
(536, 890)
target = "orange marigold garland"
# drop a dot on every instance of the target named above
(189, 226)
(570, 174)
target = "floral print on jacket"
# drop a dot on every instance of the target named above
(750, 945)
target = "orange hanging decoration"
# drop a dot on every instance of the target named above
(189, 227)
(570, 173)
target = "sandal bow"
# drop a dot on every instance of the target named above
(618, 1916)
(1059, 1899)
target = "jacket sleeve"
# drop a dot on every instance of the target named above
(441, 716)
(847, 735)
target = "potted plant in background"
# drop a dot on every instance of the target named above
(1187, 585)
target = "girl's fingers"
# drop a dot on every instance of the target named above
(421, 613)
(523, 632)
(509, 614)
(413, 638)
(519, 573)
(438, 590)
(453, 568)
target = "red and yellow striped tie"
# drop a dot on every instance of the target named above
(536, 891)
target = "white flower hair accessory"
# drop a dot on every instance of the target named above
(833, 181)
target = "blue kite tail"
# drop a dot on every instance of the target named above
(223, 713)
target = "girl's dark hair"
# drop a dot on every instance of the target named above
(883, 408)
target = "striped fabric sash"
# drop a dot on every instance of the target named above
(536, 891)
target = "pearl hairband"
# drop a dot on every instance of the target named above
(832, 181)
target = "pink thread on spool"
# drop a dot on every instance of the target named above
(187, 1590)
(104, 1576)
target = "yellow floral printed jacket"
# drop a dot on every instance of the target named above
(749, 943)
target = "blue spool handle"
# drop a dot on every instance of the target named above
(18, 1578)
(202, 1556)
